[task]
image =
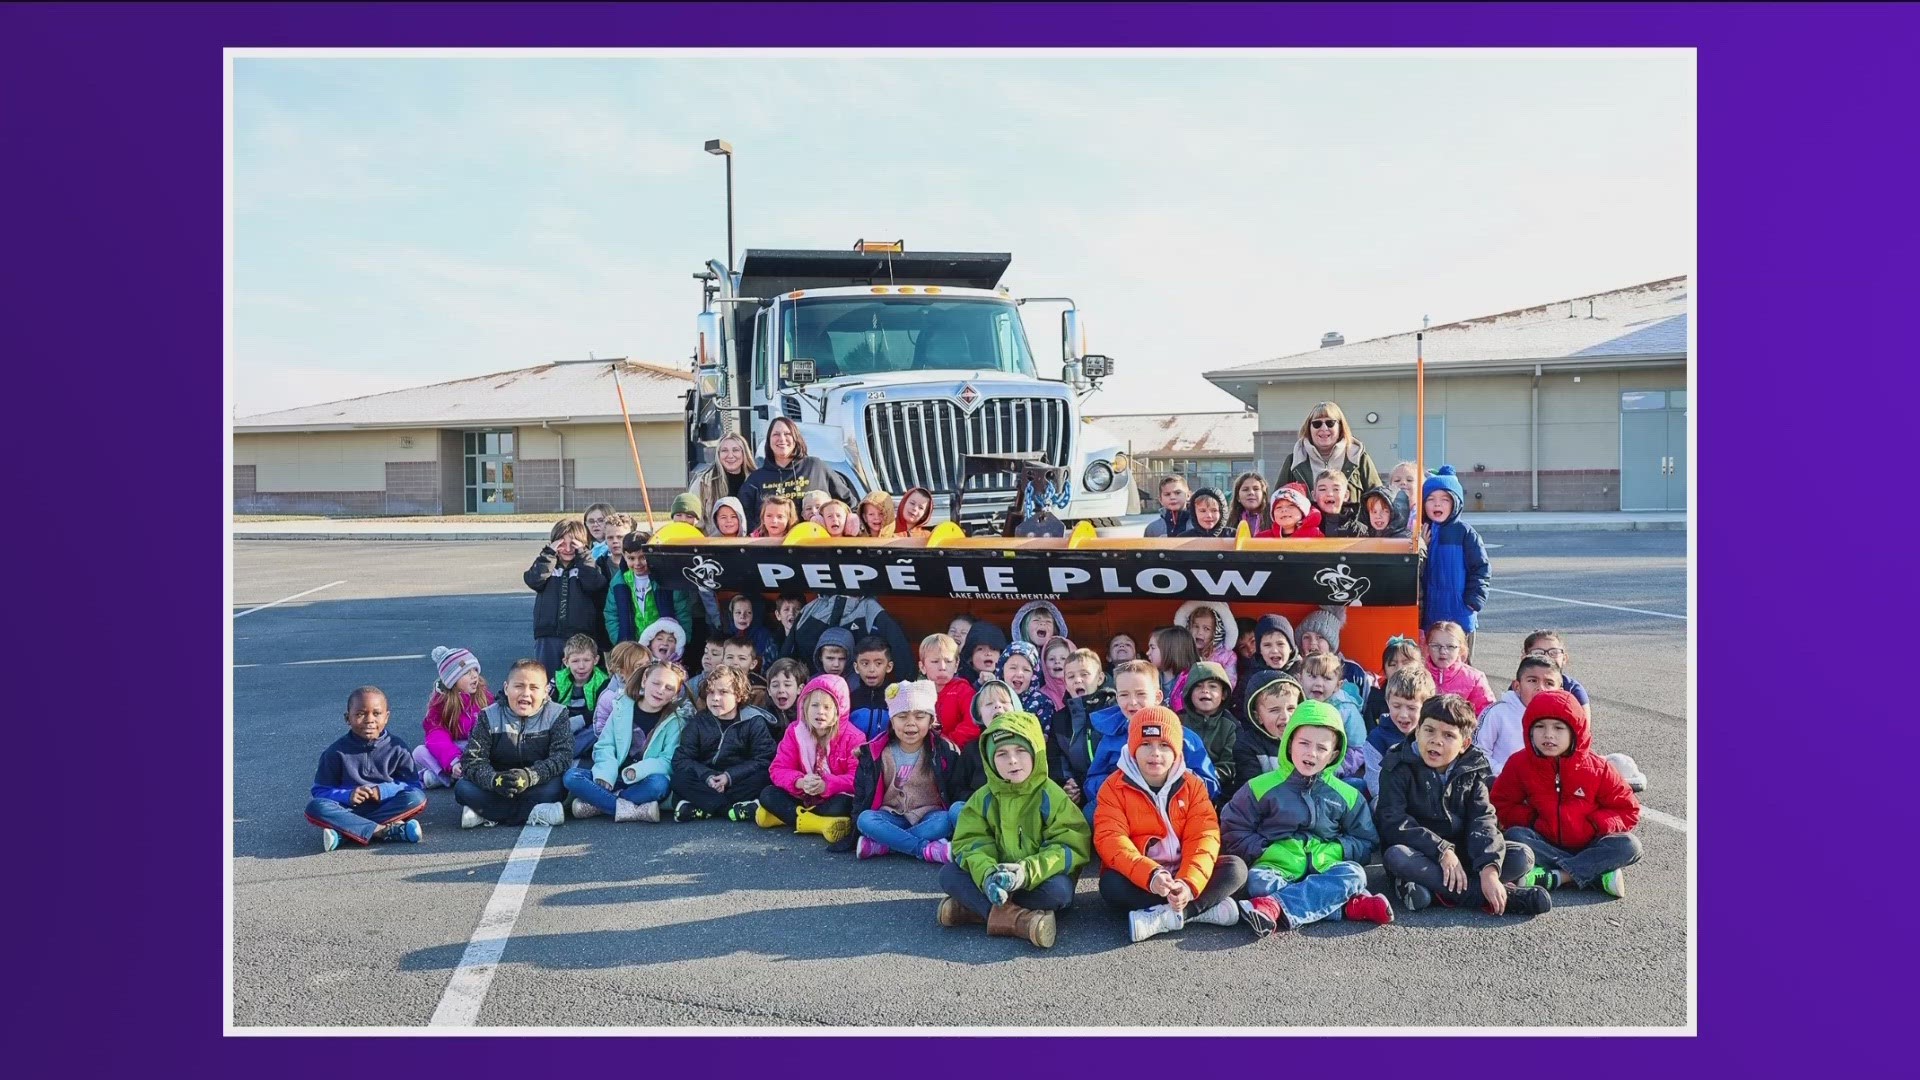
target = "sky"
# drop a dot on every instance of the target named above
(403, 221)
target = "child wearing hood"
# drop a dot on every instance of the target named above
(1020, 670)
(633, 757)
(729, 519)
(665, 639)
(1209, 715)
(1019, 844)
(459, 693)
(1074, 737)
(1053, 671)
(1270, 703)
(1158, 836)
(810, 783)
(875, 513)
(1294, 516)
(915, 516)
(833, 653)
(1434, 809)
(980, 653)
(1567, 803)
(1447, 647)
(1136, 687)
(1274, 652)
(1407, 691)
(902, 783)
(1304, 833)
(994, 699)
(746, 617)
(1209, 513)
(1039, 622)
(1380, 516)
(1453, 586)
(1214, 631)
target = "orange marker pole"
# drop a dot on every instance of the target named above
(645, 499)
(1417, 511)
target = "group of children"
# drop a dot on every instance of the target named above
(1241, 772)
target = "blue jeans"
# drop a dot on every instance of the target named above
(1053, 894)
(1314, 897)
(1609, 852)
(580, 785)
(891, 830)
(360, 822)
(506, 809)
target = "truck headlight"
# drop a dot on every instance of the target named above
(1098, 477)
(1122, 463)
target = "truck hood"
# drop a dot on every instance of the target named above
(944, 383)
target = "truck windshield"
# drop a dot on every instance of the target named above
(862, 335)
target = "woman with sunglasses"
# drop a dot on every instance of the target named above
(1326, 442)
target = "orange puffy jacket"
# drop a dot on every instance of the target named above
(1125, 822)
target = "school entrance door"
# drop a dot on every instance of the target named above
(1653, 450)
(489, 472)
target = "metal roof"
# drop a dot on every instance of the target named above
(1206, 434)
(1640, 323)
(577, 391)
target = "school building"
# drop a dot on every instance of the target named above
(539, 439)
(1579, 404)
(1208, 448)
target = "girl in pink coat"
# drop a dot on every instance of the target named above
(812, 772)
(459, 693)
(1447, 663)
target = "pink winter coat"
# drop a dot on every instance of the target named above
(1466, 681)
(799, 755)
(444, 747)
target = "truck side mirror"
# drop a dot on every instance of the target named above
(1073, 337)
(710, 353)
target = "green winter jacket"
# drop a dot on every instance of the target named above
(1033, 823)
(1295, 824)
(563, 688)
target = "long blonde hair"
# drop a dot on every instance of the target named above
(1332, 411)
(748, 461)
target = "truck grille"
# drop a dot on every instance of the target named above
(920, 443)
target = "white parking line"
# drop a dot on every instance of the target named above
(1671, 822)
(467, 990)
(353, 660)
(284, 599)
(1588, 603)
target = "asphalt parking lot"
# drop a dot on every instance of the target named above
(723, 924)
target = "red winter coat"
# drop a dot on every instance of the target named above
(1309, 529)
(954, 709)
(1571, 800)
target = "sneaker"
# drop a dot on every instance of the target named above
(1368, 907)
(1414, 896)
(471, 819)
(1224, 913)
(1540, 877)
(1614, 883)
(1528, 900)
(867, 848)
(1149, 922)
(938, 852)
(329, 839)
(1629, 771)
(429, 778)
(1263, 914)
(954, 913)
(583, 809)
(546, 813)
(745, 811)
(400, 832)
(626, 811)
(686, 811)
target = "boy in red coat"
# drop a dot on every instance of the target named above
(1294, 517)
(940, 663)
(1566, 802)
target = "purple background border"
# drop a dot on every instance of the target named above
(111, 118)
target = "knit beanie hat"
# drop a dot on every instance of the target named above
(452, 665)
(1326, 623)
(1155, 723)
(1296, 494)
(686, 503)
(1204, 671)
(917, 696)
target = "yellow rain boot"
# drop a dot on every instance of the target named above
(834, 829)
(764, 819)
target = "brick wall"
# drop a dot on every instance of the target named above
(1566, 490)
(413, 487)
(537, 490)
(244, 477)
(331, 503)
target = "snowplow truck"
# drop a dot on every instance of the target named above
(903, 370)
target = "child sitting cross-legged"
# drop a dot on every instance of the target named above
(365, 787)
(459, 693)
(1304, 833)
(1159, 838)
(901, 784)
(1566, 802)
(811, 779)
(633, 758)
(517, 755)
(1434, 814)
(1019, 844)
(724, 753)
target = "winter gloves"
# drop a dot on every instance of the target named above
(1005, 880)
(512, 781)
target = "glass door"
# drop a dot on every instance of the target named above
(489, 472)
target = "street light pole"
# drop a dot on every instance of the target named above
(725, 149)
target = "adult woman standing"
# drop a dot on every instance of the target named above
(789, 470)
(1326, 442)
(732, 463)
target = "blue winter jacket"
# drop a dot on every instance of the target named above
(1111, 723)
(1453, 586)
(352, 762)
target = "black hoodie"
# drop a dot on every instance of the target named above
(1193, 522)
(1396, 526)
(982, 633)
